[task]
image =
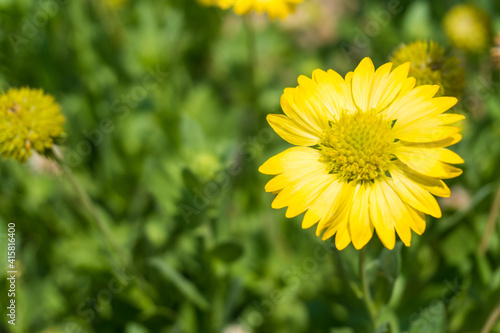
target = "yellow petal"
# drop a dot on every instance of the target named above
(433, 185)
(362, 83)
(291, 131)
(309, 191)
(293, 159)
(349, 100)
(441, 154)
(359, 221)
(380, 87)
(303, 118)
(384, 226)
(426, 165)
(428, 108)
(324, 203)
(310, 105)
(417, 221)
(343, 238)
(335, 206)
(450, 118)
(408, 101)
(397, 211)
(294, 175)
(294, 191)
(408, 85)
(415, 195)
(386, 91)
(451, 140)
(341, 220)
(310, 219)
(331, 91)
(430, 132)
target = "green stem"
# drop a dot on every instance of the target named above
(367, 297)
(116, 251)
(88, 204)
(492, 319)
(492, 221)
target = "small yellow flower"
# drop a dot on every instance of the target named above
(29, 120)
(429, 65)
(274, 8)
(370, 153)
(468, 28)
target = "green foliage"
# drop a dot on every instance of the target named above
(166, 132)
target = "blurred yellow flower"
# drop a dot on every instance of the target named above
(29, 120)
(468, 28)
(429, 65)
(370, 153)
(115, 4)
(274, 8)
(224, 4)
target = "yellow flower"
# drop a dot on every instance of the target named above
(274, 8)
(29, 120)
(115, 4)
(223, 4)
(370, 153)
(429, 65)
(468, 28)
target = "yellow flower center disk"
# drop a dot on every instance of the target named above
(29, 121)
(357, 146)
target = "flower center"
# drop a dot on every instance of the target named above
(357, 146)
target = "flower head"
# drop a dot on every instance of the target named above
(370, 153)
(29, 120)
(468, 28)
(429, 65)
(274, 8)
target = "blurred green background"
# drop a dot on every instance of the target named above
(166, 130)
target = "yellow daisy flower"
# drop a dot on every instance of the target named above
(29, 120)
(274, 8)
(370, 153)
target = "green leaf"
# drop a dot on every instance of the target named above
(135, 328)
(387, 321)
(384, 328)
(390, 262)
(184, 285)
(228, 251)
(417, 23)
(431, 319)
(342, 330)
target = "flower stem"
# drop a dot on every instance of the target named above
(490, 226)
(492, 319)
(367, 297)
(120, 258)
(88, 204)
